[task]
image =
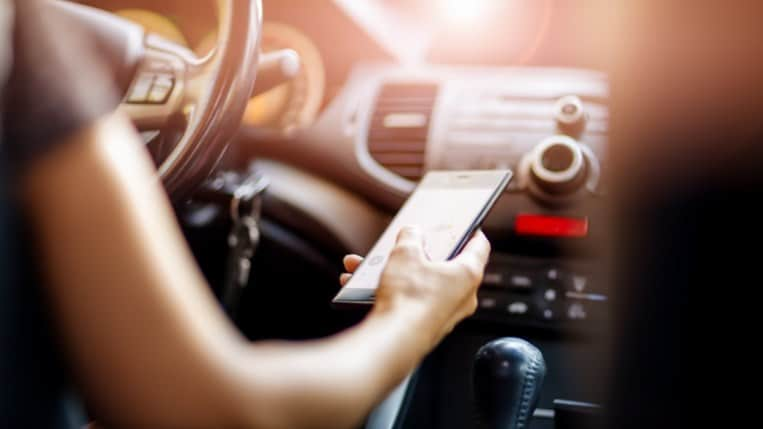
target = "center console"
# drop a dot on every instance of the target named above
(390, 124)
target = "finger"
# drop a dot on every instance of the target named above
(477, 250)
(351, 262)
(344, 278)
(410, 242)
(410, 234)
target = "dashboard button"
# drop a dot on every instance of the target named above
(576, 311)
(491, 301)
(547, 311)
(584, 310)
(553, 277)
(521, 281)
(515, 280)
(518, 308)
(548, 314)
(577, 283)
(493, 278)
(488, 303)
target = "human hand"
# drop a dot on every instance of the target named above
(351, 263)
(437, 295)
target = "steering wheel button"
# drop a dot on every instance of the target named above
(159, 94)
(141, 88)
(164, 80)
(160, 66)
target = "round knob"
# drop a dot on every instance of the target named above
(558, 165)
(570, 116)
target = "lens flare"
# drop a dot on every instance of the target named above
(464, 12)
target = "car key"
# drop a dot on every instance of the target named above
(244, 236)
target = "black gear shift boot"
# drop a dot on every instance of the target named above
(508, 376)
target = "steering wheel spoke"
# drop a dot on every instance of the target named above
(159, 90)
(164, 81)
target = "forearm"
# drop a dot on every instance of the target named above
(332, 382)
(146, 339)
(144, 336)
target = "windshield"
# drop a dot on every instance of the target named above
(489, 32)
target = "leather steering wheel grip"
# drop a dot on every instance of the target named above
(213, 91)
(218, 115)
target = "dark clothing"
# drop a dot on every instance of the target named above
(51, 84)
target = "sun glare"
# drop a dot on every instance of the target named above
(464, 12)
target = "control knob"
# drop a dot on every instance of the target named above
(570, 116)
(558, 166)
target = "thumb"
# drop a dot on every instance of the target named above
(411, 238)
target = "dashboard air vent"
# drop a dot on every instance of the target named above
(397, 137)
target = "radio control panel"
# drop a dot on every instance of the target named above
(541, 292)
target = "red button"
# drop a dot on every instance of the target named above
(551, 226)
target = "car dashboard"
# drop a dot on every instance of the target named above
(345, 142)
(392, 123)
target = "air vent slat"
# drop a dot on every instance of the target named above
(408, 90)
(413, 173)
(410, 159)
(392, 134)
(413, 105)
(397, 134)
(383, 146)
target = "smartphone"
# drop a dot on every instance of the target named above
(448, 206)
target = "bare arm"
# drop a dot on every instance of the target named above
(148, 342)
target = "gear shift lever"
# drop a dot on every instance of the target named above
(508, 376)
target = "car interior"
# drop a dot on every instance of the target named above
(289, 132)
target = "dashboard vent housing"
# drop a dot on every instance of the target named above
(397, 136)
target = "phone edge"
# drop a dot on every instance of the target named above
(368, 301)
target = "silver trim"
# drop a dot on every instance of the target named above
(594, 169)
(586, 296)
(557, 176)
(385, 415)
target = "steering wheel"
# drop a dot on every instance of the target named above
(164, 81)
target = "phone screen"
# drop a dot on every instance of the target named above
(447, 206)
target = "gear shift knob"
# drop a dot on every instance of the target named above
(508, 376)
